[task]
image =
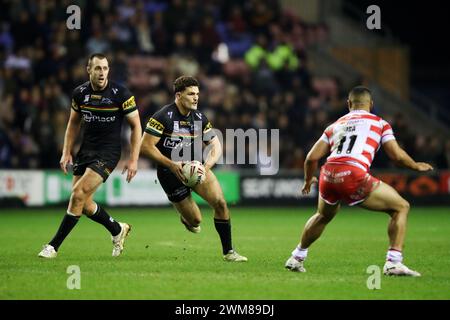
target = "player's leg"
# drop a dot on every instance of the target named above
(97, 213)
(211, 191)
(190, 214)
(386, 199)
(119, 230)
(90, 207)
(311, 232)
(317, 223)
(82, 190)
(83, 187)
(180, 196)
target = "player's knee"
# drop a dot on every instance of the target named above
(404, 206)
(220, 205)
(401, 208)
(78, 194)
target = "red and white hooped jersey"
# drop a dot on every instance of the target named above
(356, 137)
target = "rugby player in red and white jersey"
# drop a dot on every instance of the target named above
(352, 142)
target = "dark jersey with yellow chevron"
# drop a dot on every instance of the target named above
(176, 129)
(103, 112)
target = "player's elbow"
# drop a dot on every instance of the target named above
(135, 126)
(319, 150)
(136, 130)
(146, 149)
(217, 150)
(394, 151)
(396, 157)
(311, 158)
(310, 163)
(74, 124)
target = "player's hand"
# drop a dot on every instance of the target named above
(177, 169)
(423, 166)
(131, 167)
(307, 185)
(66, 159)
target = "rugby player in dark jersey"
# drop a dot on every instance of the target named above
(101, 105)
(173, 126)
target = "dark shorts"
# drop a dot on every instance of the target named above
(103, 164)
(345, 182)
(175, 190)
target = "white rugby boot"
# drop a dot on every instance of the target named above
(119, 240)
(294, 265)
(233, 256)
(48, 252)
(398, 269)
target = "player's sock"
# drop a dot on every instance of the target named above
(299, 253)
(102, 217)
(69, 221)
(223, 228)
(394, 255)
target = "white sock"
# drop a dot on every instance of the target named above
(394, 256)
(299, 253)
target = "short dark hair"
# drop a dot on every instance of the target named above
(360, 90)
(183, 82)
(96, 55)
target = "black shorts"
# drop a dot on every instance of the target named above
(175, 190)
(103, 164)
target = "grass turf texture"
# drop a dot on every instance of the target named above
(163, 261)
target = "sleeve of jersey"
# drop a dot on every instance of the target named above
(129, 103)
(155, 126)
(386, 132)
(75, 106)
(326, 136)
(208, 132)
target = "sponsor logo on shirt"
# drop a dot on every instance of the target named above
(171, 142)
(89, 117)
(106, 101)
(130, 103)
(155, 125)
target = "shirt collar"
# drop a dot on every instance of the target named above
(359, 111)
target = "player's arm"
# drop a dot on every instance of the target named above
(214, 153)
(72, 130)
(212, 143)
(401, 158)
(317, 152)
(149, 149)
(136, 133)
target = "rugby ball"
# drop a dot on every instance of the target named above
(194, 172)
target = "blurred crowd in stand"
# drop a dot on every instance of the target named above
(249, 56)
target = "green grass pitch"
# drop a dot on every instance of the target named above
(163, 261)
